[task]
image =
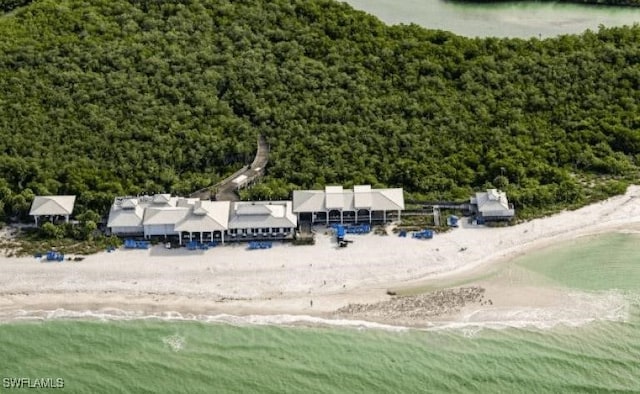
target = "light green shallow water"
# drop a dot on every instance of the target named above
(136, 356)
(593, 263)
(132, 357)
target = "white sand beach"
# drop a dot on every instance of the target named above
(310, 280)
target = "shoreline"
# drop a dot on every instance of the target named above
(610, 307)
(542, 308)
(318, 280)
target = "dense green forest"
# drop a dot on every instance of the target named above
(109, 97)
(10, 5)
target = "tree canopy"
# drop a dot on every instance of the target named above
(108, 97)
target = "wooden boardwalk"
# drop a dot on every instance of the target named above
(226, 190)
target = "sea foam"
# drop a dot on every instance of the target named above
(582, 309)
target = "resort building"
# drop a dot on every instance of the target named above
(125, 216)
(208, 219)
(128, 214)
(52, 206)
(492, 205)
(362, 204)
(204, 221)
(262, 219)
(165, 216)
(162, 220)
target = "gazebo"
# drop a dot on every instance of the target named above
(52, 206)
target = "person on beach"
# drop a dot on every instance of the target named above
(311, 303)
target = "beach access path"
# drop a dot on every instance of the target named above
(226, 190)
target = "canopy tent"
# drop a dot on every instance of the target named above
(52, 206)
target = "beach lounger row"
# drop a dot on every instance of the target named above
(353, 229)
(424, 234)
(359, 229)
(194, 245)
(259, 245)
(54, 256)
(133, 244)
(257, 235)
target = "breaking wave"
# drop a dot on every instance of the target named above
(583, 309)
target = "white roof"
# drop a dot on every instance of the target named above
(52, 205)
(131, 211)
(308, 201)
(125, 217)
(387, 199)
(129, 203)
(162, 199)
(186, 214)
(185, 202)
(492, 200)
(160, 216)
(252, 209)
(492, 203)
(361, 197)
(334, 197)
(206, 216)
(262, 214)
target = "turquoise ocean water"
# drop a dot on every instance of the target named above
(159, 356)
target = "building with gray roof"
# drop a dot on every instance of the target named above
(148, 215)
(208, 219)
(492, 205)
(125, 216)
(262, 219)
(189, 218)
(362, 204)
